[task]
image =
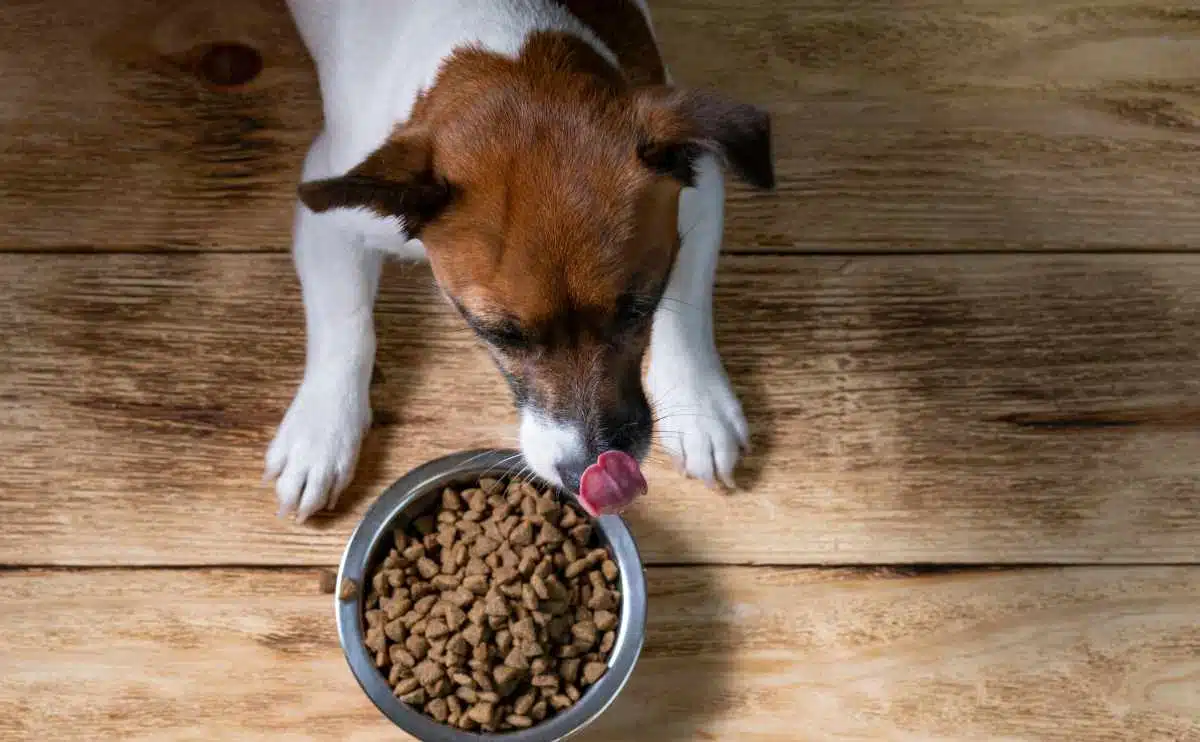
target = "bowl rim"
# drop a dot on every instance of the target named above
(376, 525)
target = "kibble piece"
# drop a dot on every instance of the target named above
(402, 656)
(425, 605)
(495, 605)
(477, 614)
(428, 672)
(394, 630)
(609, 568)
(456, 617)
(376, 641)
(516, 659)
(445, 582)
(560, 702)
(522, 535)
(519, 721)
(549, 535)
(524, 630)
(573, 693)
(469, 529)
(523, 704)
(491, 486)
(544, 681)
(606, 644)
(473, 634)
(467, 694)
(481, 652)
(424, 525)
(604, 620)
(539, 710)
(460, 597)
(539, 587)
(505, 675)
(504, 640)
(398, 607)
(603, 600)
(349, 589)
(593, 671)
(437, 628)
(406, 686)
(418, 646)
(568, 670)
(529, 598)
(422, 590)
(477, 584)
(481, 713)
(492, 530)
(427, 567)
(397, 673)
(482, 680)
(415, 698)
(483, 546)
(575, 568)
(438, 709)
(531, 649)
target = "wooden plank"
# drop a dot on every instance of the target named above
(747, 654)
(927, 126)
(906, 409)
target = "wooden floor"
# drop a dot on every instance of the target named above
(966, 330)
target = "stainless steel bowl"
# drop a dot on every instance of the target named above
(410, 496)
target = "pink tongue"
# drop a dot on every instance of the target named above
(611, 484)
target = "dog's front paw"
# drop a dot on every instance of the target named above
(700, 421)
(314, 452)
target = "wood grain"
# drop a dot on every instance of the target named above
(919, 126)
(907, 409)
(759, 655)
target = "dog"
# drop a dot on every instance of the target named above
(569, 199)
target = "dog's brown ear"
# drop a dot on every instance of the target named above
(680, 125)
(396, 180)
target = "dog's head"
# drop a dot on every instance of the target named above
(546, 192)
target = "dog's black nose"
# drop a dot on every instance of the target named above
(627, 429)
(571, 471)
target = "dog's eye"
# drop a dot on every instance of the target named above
(633, 310)
(505, 335)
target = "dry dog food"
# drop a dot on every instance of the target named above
(495, 611)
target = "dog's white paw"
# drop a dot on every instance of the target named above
(700, 421)
(315, 450)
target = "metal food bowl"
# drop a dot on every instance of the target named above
(411, 496)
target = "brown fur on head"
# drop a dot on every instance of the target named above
(545, 190)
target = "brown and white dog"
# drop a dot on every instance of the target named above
(570, 201)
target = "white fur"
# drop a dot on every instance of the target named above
(546, 443)
(373, 57)
(700, 420)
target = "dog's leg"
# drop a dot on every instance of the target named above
(316, 447)
(700, 420)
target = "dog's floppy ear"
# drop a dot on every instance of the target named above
(680, 125)
(396, 180)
